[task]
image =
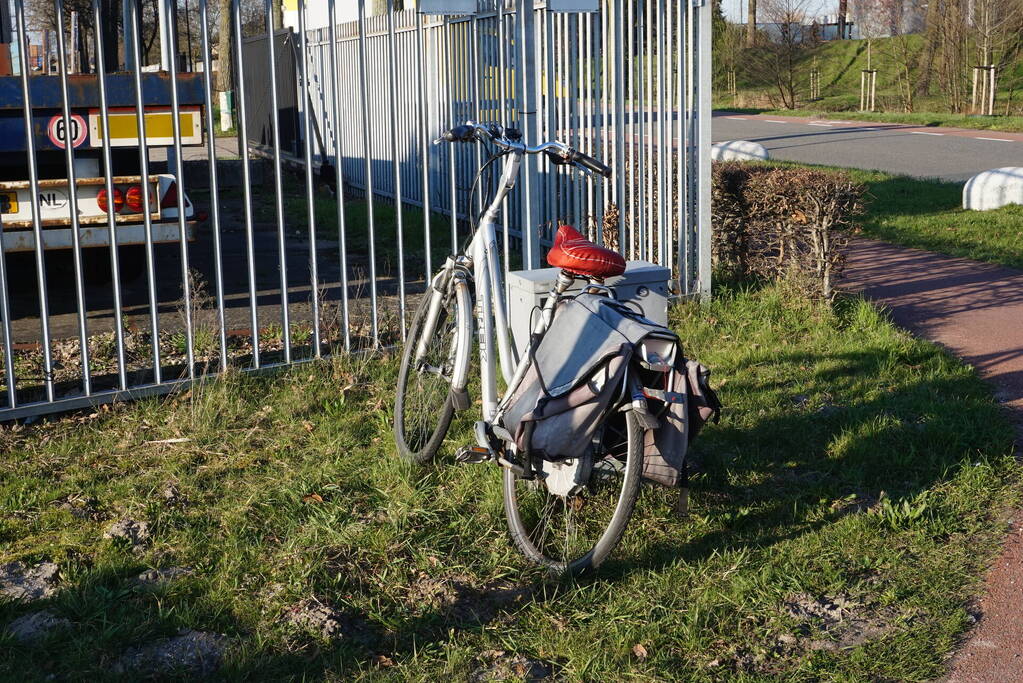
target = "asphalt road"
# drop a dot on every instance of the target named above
(947, 153)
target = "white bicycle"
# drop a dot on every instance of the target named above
(569, 530)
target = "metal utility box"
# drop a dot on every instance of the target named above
(643, 285)
(447, 6)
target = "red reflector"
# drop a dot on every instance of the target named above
(170, 199)
(134, 201)
(101, 199)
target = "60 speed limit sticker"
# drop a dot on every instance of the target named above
(58, 136)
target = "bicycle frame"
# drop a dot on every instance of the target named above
(491, 302)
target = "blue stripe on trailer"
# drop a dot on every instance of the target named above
(83, 90)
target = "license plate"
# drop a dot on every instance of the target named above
(8, 202)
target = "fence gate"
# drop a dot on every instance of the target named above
(132, 269)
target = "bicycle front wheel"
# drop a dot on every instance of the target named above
(572, 534)
(435, 360)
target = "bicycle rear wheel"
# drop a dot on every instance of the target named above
(423, 406)
(575, 533)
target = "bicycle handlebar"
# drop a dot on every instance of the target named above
(510, 139)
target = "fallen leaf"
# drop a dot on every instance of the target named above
(639, 651)
(312, 498)
(309, 426)
(383, 661)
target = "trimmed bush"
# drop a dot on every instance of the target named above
(783, 223)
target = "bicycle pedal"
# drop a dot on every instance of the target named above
(473, 454)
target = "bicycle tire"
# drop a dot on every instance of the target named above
(612, 534)
(434, 420)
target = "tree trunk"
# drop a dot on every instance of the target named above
(225, 48)
(278, 13)
(751, 23)
(925, 69)
(843, 10)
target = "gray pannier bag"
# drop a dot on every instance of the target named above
(578, 372)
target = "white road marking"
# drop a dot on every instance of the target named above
(773, 121)
(920, 132)
(738, 118)
(994, 139)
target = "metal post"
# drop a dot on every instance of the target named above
(368, 156)
(72, 190)
(703, 122)
(335, 82)
(526, 91)
(108, 172)
(33, 179)
(147, 219)
(307, 138)
(393, 100)
(243, 150)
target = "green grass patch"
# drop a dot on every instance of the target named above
(854, 464)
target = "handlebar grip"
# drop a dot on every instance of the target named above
(459, 134)
(589, 163)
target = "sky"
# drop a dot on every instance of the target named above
(735, 10)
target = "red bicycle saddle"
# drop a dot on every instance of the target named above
(577, 255)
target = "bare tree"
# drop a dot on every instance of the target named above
(782, 47)
(751, 23)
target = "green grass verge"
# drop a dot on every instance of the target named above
(854, 464)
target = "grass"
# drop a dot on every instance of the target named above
(928, 214)
(854, 463)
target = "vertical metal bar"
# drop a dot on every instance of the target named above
(552, 173)
(649, 161)
(692, 91)
(450, 149)
(243, 149)
(335, 79)
(282, 245)
(633, 158)
(424, 138)
(703, 121)
(176, 127)
(474, 83)
(5, 311)
(108, 172)
(147, 208)
(527, 115)
(366, 138)
(622, 162)
(307, 138)
(393, 98)
(33, 178)
(663, 199)
(218, 264)
(502, 94)
(72, 190)
(682, 172)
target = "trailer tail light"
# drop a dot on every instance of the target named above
(102, 200)
(134, 201)
(170, 198)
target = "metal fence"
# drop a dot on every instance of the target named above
(267, 249)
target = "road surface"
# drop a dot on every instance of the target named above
(947, 153)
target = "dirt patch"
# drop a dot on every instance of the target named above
(82, 507)
(843, 623)
(313, 616)
(36, 626)
(462, 603)
(498, 665)
(159, 577)
(131, 532)
(190, 653)
(172, 496)
(19, 582)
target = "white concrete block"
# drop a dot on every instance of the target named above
(739, 150)
(994, 189)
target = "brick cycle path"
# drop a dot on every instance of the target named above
(976, 311)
